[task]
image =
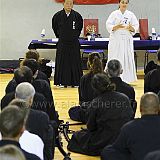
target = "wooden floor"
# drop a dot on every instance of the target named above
(64, 98)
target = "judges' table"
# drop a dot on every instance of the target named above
(98, 44)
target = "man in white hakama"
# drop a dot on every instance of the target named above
(122, 25)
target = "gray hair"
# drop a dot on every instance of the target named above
(114, 68)
(25, 91)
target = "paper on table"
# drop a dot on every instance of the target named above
(54, 39)
(101, 39)
(136, 38)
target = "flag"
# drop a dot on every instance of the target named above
(92, 1)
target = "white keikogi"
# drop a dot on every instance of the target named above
(120, 45)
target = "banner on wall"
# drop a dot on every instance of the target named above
(143, 28)
(92, 1)
(90, 26)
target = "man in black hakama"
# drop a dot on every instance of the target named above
(67, 25)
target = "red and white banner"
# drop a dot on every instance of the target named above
(90, 26)
(92, 1)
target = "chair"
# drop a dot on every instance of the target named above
(147, 53)
(135, 59)
(87, 51)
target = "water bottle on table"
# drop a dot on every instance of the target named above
(43, 34)
(154, 35)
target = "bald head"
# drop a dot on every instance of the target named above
(149, 104)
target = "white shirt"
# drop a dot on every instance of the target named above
(126, 18)
(32, 144)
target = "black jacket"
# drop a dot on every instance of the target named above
(41, 87)
(123, 87)
(38, 123)
(136, 139)
(106, 114)
(39, 101)
(86, 92)
(152, 81)
(27, 155)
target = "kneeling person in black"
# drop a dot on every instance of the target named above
(106, 114)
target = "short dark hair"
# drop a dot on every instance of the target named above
(114, 68)
(94, 63)
(12, 120)
(32, 64)
(23, 74)
(72, 0)
(101, 83)
(121, 0)
(32, 54)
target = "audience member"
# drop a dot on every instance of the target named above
(38, 122)
(43, 99)
(152, 65)
(106, 114)
(25, 74)
(29, 142)
(34, 66)
(12, 125)
(140, 136)
(152, 78)
(11, 152)
(114, 70)
(86, 92)
(33, 54)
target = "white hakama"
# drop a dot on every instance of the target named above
(120, 45)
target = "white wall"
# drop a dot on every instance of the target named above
(22, 20)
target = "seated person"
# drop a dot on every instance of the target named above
(12, 125)
(86, 92)
(34, 66)
(43, 69)
(33, 54)
(150, 66)
(106, 114)
(24, 74)
(41, 86)
(38, 122)
(114, 70)
(152, 78)
(140, 136)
